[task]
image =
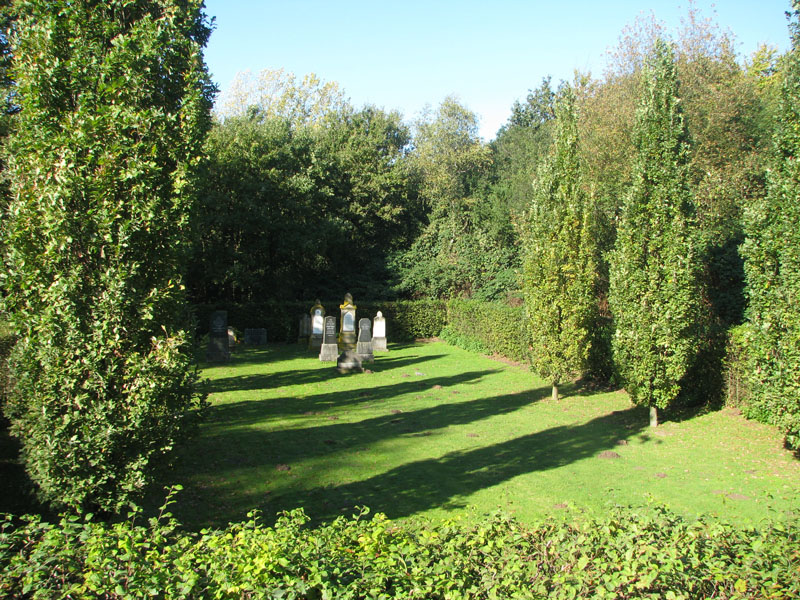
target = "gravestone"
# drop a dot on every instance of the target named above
(349, 362)
(304, 329)
(364, 345)
(317, 325)
(231, 339)
(347, 333)
(379, 333)
(329, 350)
(218, 350)
(255, 337)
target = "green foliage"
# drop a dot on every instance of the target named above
(632, 553)
(655, 294)
(115, 101)
(490, 327)
(559, 271)
(772, 268)
(291, 210)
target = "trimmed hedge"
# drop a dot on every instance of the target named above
(405, 320)
(633, 553)
(491, 327)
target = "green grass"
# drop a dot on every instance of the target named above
(436, 430)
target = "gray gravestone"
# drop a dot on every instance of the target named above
(364, 345)
(329, 349)
(317, 325)
(379, 333)
(348, 362)
(304, 329)
(218, 350)
(255, 337)
(231, 339)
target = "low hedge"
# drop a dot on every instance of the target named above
(634, 553)
(491, 327)
(405, 320)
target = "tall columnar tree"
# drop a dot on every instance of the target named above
(772, 267)
(655, 294)
(115, 105)
(559, 266)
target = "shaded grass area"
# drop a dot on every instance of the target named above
(434, 429)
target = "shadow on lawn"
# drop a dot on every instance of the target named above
(317, 374)
(233, 443)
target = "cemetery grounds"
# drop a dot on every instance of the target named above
(432, 432)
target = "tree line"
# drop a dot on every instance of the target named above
(638, 216)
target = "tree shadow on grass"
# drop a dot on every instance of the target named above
(236, 448)
(324, 372)
(221, 417)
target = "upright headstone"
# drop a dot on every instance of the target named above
(218, 350)
(347, 333)
(364, 345)
(255, 337)
(231, 339)
(304, 329)
(379, 333)
(317, 326)
(329, 349)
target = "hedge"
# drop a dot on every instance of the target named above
(633, 553)
(406, 320)
(491, 327)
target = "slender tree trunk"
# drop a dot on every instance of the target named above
(653, 415)
(555, 392)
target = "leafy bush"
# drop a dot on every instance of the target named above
(737, 367)
(633, 553)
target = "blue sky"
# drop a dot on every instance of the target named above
(402, 55)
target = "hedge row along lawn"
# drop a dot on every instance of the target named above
(434, 431)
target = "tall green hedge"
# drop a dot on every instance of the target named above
(115, 104)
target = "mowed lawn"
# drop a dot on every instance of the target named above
(434, 431)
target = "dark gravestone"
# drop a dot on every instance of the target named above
(231, 339)
(329, 349)
(304, 329)
(218, 350)
(364, 344)
(255, 337)
(379, 333)
(349, 362)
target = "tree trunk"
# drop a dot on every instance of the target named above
(653, 415)
(555, 392)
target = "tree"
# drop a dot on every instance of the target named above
(559, 268)
(276, 93)
(115, 105)
(772, 267)
(655, 294)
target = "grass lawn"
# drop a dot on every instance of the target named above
(435, 430)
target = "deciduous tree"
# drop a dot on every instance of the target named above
(115, 105)
(655, 293)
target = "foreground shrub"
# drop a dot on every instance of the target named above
(643, 553)
(115, 104)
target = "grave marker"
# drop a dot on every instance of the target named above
(364, 345)
(317, 325)
(255, 337)
(379, 333)
(329, 349)
(218, 350)
(347, 333)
